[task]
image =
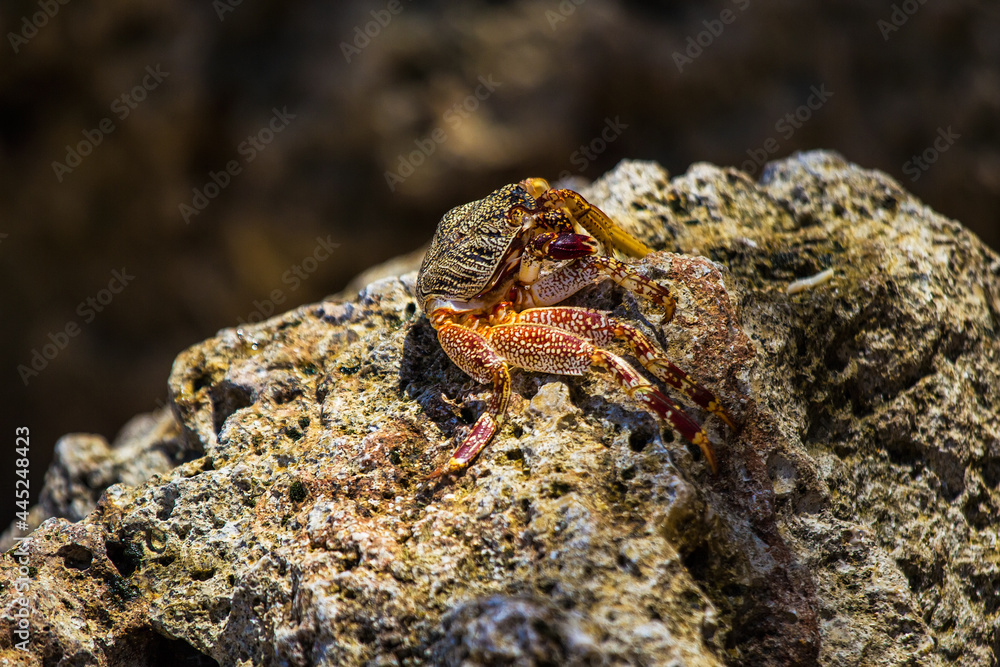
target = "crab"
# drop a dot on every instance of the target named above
(482, 287)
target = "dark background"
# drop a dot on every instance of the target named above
(896, 76)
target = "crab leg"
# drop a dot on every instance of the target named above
(548, 349)
(474, 355)
(601, 329)
(570, 279)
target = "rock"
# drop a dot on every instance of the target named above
(84, 465)
(854, 519)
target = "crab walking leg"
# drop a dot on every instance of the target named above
(474, 355)
(601, 329)
(548, 349)
(570, 279)
(638, 387)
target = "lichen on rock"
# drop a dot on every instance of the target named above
(854, 519)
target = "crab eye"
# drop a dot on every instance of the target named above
(519, 218)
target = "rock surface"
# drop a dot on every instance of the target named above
(853, 522)
(84, 465)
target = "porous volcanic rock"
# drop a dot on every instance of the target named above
(853, 520)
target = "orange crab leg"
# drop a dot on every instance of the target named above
(474, 355)
(549, 349)
(601, 329)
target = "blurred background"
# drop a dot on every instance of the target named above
(168, 169)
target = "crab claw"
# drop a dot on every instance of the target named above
(565, 245)
(572, 246)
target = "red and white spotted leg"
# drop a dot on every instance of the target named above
(549, 349)
(602, 329)
(638, 387)
(474, 355)
(570, 279)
